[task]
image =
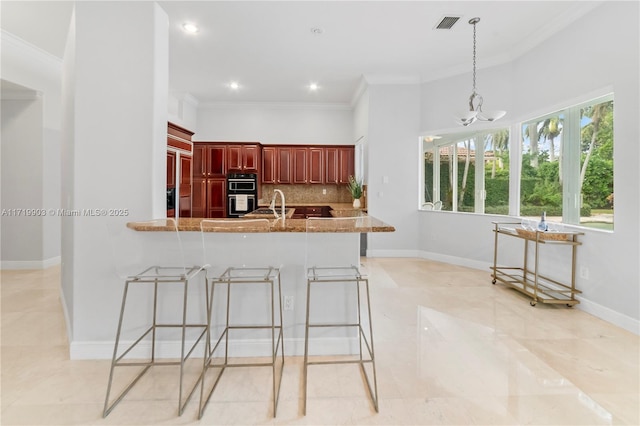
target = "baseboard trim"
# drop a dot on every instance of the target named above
(30, 264)
(595, 309)
(609, 315)
(393, 253)
(453, 260)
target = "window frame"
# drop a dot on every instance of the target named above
(570, 152)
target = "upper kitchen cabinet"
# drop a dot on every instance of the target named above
(269, 156)
(304, 164)
(299, 164)
(315, 173)
(339, 164)
(283, 165)
(209, 160)
(243, 158)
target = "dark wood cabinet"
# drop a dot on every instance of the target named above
(179, 170)
(209, 179)
(209, 197)
(332, 165)
(185, 188)
(216, 197)
(315, 172)
(339, 164)
(209, 160)
(269, 156)
(243, 158)
(171, 169)
(283, 165)
(199, 200)
(346, 157)
(303, 164)
(299, 164)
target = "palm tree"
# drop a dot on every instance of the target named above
(597, 114)
(532, 133)
(467, 161)
(550, 130)
(500, 142)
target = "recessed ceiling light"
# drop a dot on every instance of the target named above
(234, 85)
(190, 28)
(314, 87)
(316, 30)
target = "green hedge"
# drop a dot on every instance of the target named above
(585, 210)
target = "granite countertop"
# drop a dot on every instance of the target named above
(361, 224)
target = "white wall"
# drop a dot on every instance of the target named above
(115, 117)
(38, 136)
(305, 124)
(608, 58)
(392, 140)
(22, 239)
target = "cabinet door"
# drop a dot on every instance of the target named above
(299, 165)
(347, 165)
(200, 158)
(269, 164)
(216, 160)
(284, 165)
(216, 197)
(199, 200)
(171, 169)
(234, 158)
(315, 173)
(184, 187)
(332, 170)
(250, 158)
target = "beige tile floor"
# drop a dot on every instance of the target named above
(451, 349)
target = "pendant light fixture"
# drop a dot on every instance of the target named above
(475, 100)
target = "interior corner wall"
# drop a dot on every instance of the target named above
(612, 61)
(118, 117)
(67, 175)
(361, 128)
(393, 130)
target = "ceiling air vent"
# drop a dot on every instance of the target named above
(447, 22)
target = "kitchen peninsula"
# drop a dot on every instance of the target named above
(288, 249)
(364, 224)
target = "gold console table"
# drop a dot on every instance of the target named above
(529, 281)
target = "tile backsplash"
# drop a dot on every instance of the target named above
(307, 193)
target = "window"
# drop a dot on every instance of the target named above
(567, 165)
(566, 168)
(468, 172)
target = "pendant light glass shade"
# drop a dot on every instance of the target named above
(475, 111)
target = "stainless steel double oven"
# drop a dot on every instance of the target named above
(242, 194)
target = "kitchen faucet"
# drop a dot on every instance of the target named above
(272, 206)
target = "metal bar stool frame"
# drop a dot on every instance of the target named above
(155, 275)
(234, 276)
(340, 274)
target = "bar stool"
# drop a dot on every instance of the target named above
(327, 265)
(240, 256)
(154, 258)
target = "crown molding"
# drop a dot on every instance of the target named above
(278, 105)
(13, 43)
(374, 79)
